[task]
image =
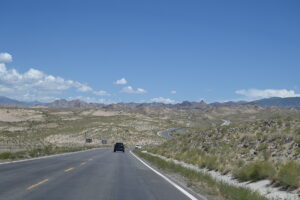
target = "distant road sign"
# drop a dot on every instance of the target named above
(104, 141)
(88, 140)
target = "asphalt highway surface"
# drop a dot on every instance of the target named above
(88, 175)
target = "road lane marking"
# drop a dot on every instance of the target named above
(37, 184)
(186, 193)
(83, 163)
(69, 169)
(90, 159)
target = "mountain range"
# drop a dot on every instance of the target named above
(289, 102)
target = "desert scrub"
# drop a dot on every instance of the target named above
(289, 174)
(209, 162)
(238, 193)
(298, 131)
(200, 158)
(297, 140)
(5, 155)
(203, 181)
(262, 146)
(256, 171)
(47, 150)
(12, 156)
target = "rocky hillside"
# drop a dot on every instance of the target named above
(291, 102)
(62, 103)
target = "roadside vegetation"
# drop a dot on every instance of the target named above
(49, 150)
(250, 151)
(203, 182)
(289, 174)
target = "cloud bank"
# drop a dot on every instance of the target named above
(162, 100)
(35, 84)
(260, 94)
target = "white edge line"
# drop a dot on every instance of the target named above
(167, 179)
(42, 157)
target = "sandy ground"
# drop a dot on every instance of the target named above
(18, 115)
(61, 139)
(100, 113)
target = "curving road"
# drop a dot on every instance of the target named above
(95, 174)
(167, 133)
(225, 122)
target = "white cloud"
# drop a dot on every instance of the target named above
(122, 81)
(87, 99)
(131, 90)
(101, 93)
(36, 85)
(84, 88)
(259, 94)
(173, 92)
(34, 74)
(162, 100)
(5, 58)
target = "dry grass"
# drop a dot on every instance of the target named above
(251, 150)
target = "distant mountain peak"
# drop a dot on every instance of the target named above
(289, 102)
(202, 102)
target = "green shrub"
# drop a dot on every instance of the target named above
(298, 131)
(262, 146)
(289, 174)
(47, 150)
(256, 171)
(267, 155)
(12, 156)
(210, 162)
(297, 140)
(238, 193)
(5, 155)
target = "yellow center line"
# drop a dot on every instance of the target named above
(70, 169)
(83, 163)
(37, 184)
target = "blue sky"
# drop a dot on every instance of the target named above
(167, 51)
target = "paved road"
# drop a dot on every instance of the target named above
(96, 174)
(225, 122)
(166, 133)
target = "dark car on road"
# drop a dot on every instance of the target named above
(119, 147)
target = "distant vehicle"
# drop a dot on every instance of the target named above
(138, 147)
(119, 147)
